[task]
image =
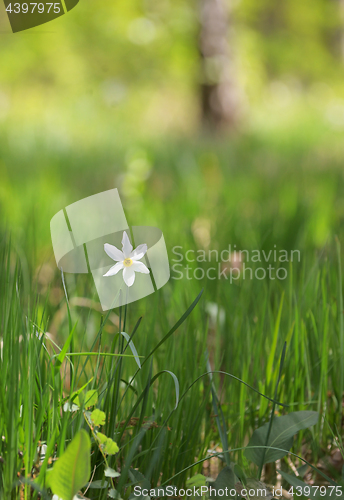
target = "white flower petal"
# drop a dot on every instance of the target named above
(129, 275)
(113, 252)
(140, 267)
(70, 407)
(127, 247)
(139, 252)
(114, 269)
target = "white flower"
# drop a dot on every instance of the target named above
(70, 407)
(42, 450)
(127, 259)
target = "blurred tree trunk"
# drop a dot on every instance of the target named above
(341, 11)
(221, 97)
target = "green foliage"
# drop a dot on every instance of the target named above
(138, 479)
(281, 436)
(260, 489)
(72, 471)
(304, 490)
(91, 398)
(226, 479)
(285, 204)
(110, 447)
(98, 417)
(196, 481)
(61, 357)
(111, 473)
(101, 438)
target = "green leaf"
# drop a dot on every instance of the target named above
(101, 437)
(91, 398)
(292, 480)
(88, 400)
(303, 469)
(239, 472)
(114, 494)
(226, 479)
(281, 436)
(196, 481)
(98, 485)
(133, 348)
(175, 380)
(111, 472)
(73, 469)
(73, 398)
(98, 417)
(136, 477)
(110, 447)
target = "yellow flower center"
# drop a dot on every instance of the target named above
(127, 262)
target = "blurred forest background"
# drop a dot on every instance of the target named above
(146, 96)
(207, 114)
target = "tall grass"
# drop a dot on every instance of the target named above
(140, 404)
(38, 379)
(250, 193)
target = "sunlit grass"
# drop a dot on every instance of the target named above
(202, 197)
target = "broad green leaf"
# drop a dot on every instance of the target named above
(87, 400)
(281, 436)
(196, 481)
(226, 479)
(239, 472)
(292, 480)
(101, 437)
(91, 398)
(302, 469)
(114, 494)
(73, 469)
(111, 472)
(77, 400)
(98, 485)
(136, 477)
(98, 417)
(110, 447)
